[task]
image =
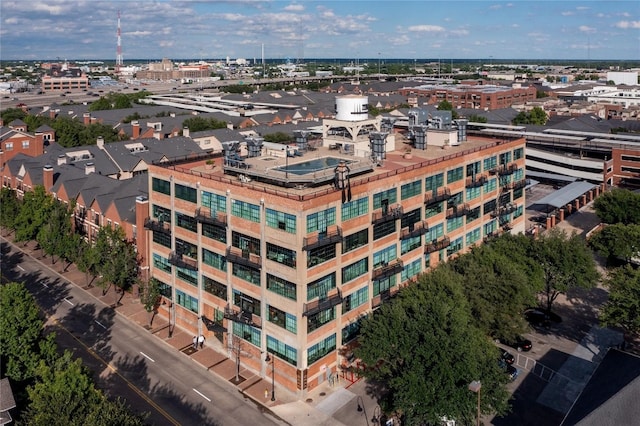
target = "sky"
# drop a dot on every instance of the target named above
(352, 29)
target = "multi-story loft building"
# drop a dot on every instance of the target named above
(284, 250)
(64, 78)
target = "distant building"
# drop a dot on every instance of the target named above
(62, 77)
(629, 78)
(473, 96)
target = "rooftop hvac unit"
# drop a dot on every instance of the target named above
(386, 125)
(417, 116)
(462, 129)
(230, 148)
(377, 143)
(419, 137)
(441, 119)
(301, 138)
(254, 146)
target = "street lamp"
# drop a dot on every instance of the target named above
(376, 419)
(475, 386)
(362, 408)
(273, 375)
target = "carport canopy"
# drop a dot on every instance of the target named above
(566, 194)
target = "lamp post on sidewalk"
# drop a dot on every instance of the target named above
(362, 408)
(475, 386)
(273, 375)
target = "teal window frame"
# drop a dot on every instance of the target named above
(321, 287)
(321, 349)
(355, 208)
(247, 333)
(244, 210)
(282, 350)
(186, 193)
(411, 189)
(279, 220)
(355, 270)
(390, 195)
(319, 221)
(160, 185)
(187, 301)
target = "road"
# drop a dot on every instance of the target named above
(126, 360)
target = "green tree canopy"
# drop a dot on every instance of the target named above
(198, 124)
(618, 206)
(278, 137)
(9, 208)
(535, 116)
(423, 346)
(118, 262)
(617, 242)
(20, 331)
(56, 231)
(34, 213)
(623, 307)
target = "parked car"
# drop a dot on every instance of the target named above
(512, 372)
(519, 343)
(506, 357)
(541, 318)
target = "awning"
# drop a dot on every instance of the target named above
(566, 195)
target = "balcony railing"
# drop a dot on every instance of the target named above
(414, 230)
(475, 181)
(517, 184)
(245, 317)
(437, 195)
(387, 269)
(504, 169)
(492, 235)
(458, 210)
(183, 262)
(243, 257)
(506, 209)
(437, 245)
(332, 299)
(157, 226)
(386, 215)
(332, 235)
(204, 215)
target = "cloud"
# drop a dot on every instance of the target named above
(426, 28)
(294, 8)
(586, 29)
(400, 41)
(11, 20)
(625, 25)
(567, 13)
(165, 43)
(460, 32)
(137, 33)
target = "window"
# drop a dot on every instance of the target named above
(246, 303)
(320, 220)
(456, 246)
(489, 227)
(490, 163)
(505, 158)
(490, 185)
(214, 202)
(355, 208)
(456, 199)
(473, 236)
(434, 233)
(409, 244)
(518, 153)
(321, 349)
(281, 319)
(281, 255)
(473, 169)
(433, 210)
(215, 260)
(411, 270)
(350, 332)
(247, 332)
(282, 351)
(385, 198)
(245, 243)
(187, 249)
(161, 213)
(355, 299)
(432, 183)
(187, 275)
(162, 186)
(454, 175)
(245, 210)
(162, 239)
(186, 193)
(384, 284)
(472, 193)
(473, 214)
(164, 289)
(410, 190)
(186, 222)
(518, 212)
(162, 263)
(8, 146)
(321, 255)
(282, 287)
(214, 232)
(518, 193)
(279, 220)
(250, 275)
(383, 229)
(321, 287)
(384, 256)
(355, 270)
(353, 241)
(25, 144)
(321, 318)
(214, 287)
(489, 207)
(186, 301)
(454, 223)
(409, 218)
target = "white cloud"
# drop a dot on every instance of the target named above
(426, 28)
(567, 13)
(11, 20)
(294, 8)
(625, 25)
(399, 41)
(165, 43)
(460, 32)
(586, 29)
(137, 33)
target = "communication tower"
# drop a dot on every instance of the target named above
(119, 48)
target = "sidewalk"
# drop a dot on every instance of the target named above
(319, 408)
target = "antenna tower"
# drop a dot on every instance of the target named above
(119, 48)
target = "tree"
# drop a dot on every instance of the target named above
(20, 331)
(54, 233)
(477, 119)
(623, 307)
(34, 213)
(423, 347)
(565, 263)
(87, 260)
(118, 263)
(10, 114)
(198, 124)
(114, 413)
(150, 297)
(448, 106)
(9, 208)
(618, 206)
(278, 137)
(617, 242)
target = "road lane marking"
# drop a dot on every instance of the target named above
(115, 371)
(147, 356)
(68, 301)
(21, 268)
(198, 392)
(100, 324)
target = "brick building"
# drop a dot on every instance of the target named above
(472, 96)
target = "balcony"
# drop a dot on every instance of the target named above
(157, 226)
(183, 262)
(332, 235)
(475, 181)
(387, 269)
(458, 210)
(492, 235)
(414, 230)
(506, 209)
(517, 184)
(244, 257)
(437, 195)
(204, 215)
(386, 215)
(245, 317)
(437, 245)
(334, 298)
(504, 169)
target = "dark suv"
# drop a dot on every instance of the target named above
(540, 318)
(506, 357)
(519, 343)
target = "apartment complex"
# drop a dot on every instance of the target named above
(283, 250)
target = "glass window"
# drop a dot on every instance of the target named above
(454, 175)
(384, 284)
(279, 220)
(164, 289)
(434, 232)
(186, 301)
(161, 213)
(162, 239)
(490, 185)
(160, 185)
(245, 243)
(433, 210)
(245, 210)
(214, 232)
(489, 207)
(250, 275)
(355, 208)
(186, 193)
(215, 260)
(473, 169)
(246, 303)
(281, 255)
(321, 318)
(409, 244)
(489, 227)
(320, 255)
(505, 157)
(320, 220)
(411, 270)
(518, 153)
(282, 351)
(353, 241)
(355, 299)
(473, 236)
(281, 319)
(410, 189)
(456, 246)
(473, 214)
(383, 229)
(162, 263)
(384, 256)
(454, 223)
(432, 183)
(214, 287)
(490, 163)
(350, 332)
(321, 287)
(472, 193)
(214, 202)
(385, 198)
(321, 349)
(355, 270)
(187, 275)
(247, 332)
(187, 222)
(410, 218)
(185, 248)
(282, 287)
